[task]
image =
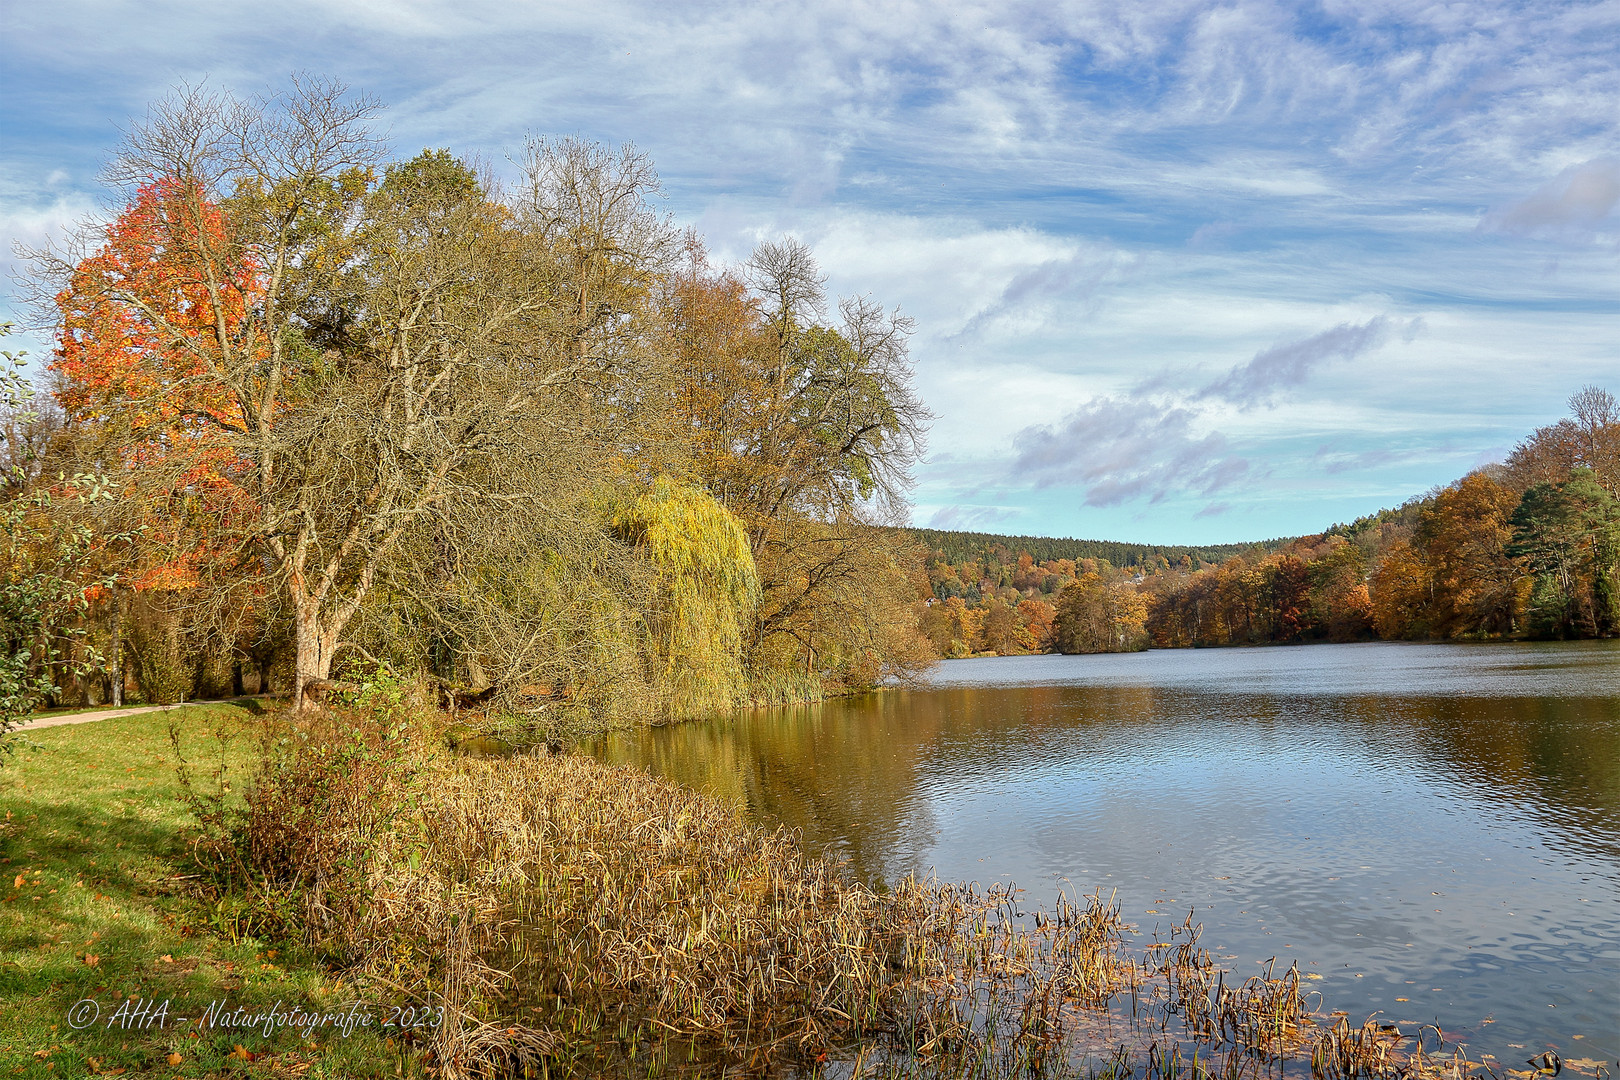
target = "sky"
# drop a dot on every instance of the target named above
(1182, 272)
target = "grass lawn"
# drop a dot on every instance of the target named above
(98, 905)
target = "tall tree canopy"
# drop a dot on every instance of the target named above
(364, 388)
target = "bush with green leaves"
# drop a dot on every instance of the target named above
(45, 569)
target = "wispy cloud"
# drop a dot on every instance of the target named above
(1124, 449)
(1574, 205)
(1212, 233)
(1068, 283)
(1335, 460)
(971, 518)
(1290, 364)
(1155, 441)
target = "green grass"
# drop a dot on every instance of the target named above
(98, 901)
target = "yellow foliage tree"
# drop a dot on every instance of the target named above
(1400, 590)
(1094, 615)
(708, 589)
(955, 629)
(1464, 535)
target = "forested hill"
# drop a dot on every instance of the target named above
(960, 547)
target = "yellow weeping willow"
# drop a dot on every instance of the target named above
(708, 587)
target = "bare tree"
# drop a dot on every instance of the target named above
(1597, 422)
(843, 425)
(794, 290)
(589, 204)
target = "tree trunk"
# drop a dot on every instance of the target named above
(312, 660)
(118, 652)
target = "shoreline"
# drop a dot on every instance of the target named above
(659, 863)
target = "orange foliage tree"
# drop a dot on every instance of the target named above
(137, 321)
(1464, 534)
(1400, 589)
(181, 342)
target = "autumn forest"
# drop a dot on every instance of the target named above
(314, 411)
(1528, 548)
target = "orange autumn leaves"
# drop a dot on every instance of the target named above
(139, 320)
(144, 322)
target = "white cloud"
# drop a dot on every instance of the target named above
(1069, 195)
(33, 219)
(971, 518)
(1123, 449)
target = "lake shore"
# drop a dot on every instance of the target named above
(703, 907)
(1431, 828)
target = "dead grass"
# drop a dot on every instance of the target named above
(576, 918)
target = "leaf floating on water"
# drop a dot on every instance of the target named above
(1548, 1062)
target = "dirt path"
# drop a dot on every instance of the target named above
(107, 714)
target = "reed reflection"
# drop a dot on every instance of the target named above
(1381, 832)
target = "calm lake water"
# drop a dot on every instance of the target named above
(1432, 829)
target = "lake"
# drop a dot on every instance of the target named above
(1434, 830)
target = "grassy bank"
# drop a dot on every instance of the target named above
(548, 917)
(98, 902)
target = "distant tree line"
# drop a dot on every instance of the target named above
(963, 547)
(1529, 548)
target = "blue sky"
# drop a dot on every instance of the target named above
(1182, 272)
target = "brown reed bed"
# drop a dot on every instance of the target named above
(572, 918)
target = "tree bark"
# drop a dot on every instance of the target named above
(118, 652)
(314, 645)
